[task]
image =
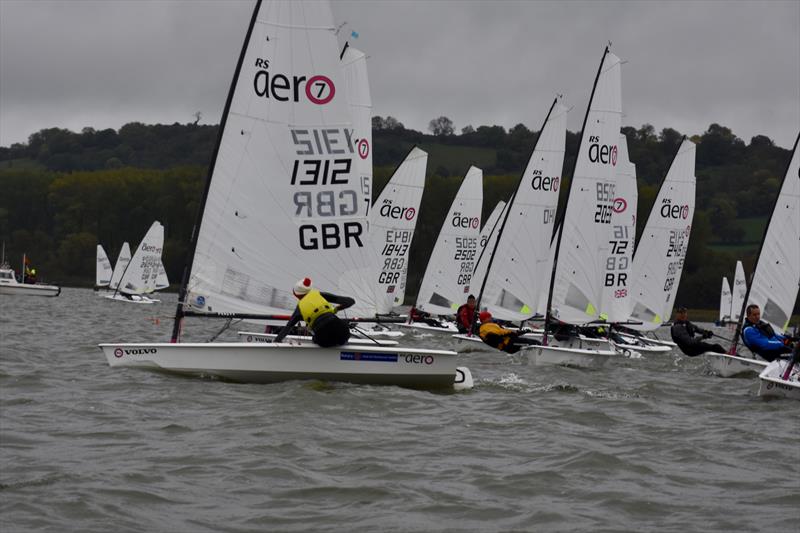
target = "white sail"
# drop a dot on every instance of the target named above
(738, 292)
(660, 254)
(547, 273)
(123, 259)
(581, 256)
(286, 197)
(103, 272)
(616, 304)
(518, 272)
(777, 275)
(392, 222)
(725, 301)
(447, 279)
(162, 281)
(487, 239)
(356, 79)
(142, 272)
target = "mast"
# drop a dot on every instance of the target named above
(508, 210)
(569, 193)
(179, 311)
(739, 323)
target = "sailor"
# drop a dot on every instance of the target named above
(683, 334)
(416, 315)
(316, 309)
(465, 315)
(501, 338)
(30, 276)
(761, 338)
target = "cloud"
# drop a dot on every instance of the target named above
(688, 64)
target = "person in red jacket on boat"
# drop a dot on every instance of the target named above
(316, 309)
(465, 316)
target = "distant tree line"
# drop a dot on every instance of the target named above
(64, 191)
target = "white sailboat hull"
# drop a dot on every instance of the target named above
(728, 366)
(22, 289)
(772, 383)
(134, 299)
(449, 327)
(652, 340)
(271, 363)
(563, 356)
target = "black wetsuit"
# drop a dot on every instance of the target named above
(329, 330)
(683, 334)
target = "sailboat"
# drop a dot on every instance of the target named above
(725, 303)
(661, 251)
(448, 276)
(123, 258)
(575, 291)
(511, 281)
(392, 222)
(103, 271)
(738, 292)
(775, 283)
(284, 199)
(616, 301)
(142, 272)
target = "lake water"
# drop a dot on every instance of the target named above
(648, 444)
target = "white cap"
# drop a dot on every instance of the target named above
(302, 287)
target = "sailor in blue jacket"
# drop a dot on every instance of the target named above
(761, 338)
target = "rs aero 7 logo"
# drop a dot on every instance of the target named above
(316, 89)
(459, 221)
(668, 210)
(119, 352)
(602, 153)
(396, 212)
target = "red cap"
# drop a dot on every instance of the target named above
(484, 316)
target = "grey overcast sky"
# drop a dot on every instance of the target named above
(688, 64)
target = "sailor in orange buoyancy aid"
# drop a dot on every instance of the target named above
(316, 309)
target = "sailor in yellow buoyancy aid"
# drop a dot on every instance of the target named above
(501, 338)
(316, 309)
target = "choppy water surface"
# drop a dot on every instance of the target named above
(644, 444)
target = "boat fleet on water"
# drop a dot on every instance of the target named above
(133, 279)
(289, 194)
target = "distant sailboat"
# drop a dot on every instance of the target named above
(738, 292)
(725, 301)
(448, 276)
(142, 272)
(123, 258)
(103, 271)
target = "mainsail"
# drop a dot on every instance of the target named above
(447, 279)
(487, 242)
(286, 196)
(162, 281)
(776, 278)
(123, 259)
(519, 270)
(661, 251)
(142, 272)
(582, 248)
(103, 271)
(618, 271)
(392, 222)
(725, 301)
(738, 292)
